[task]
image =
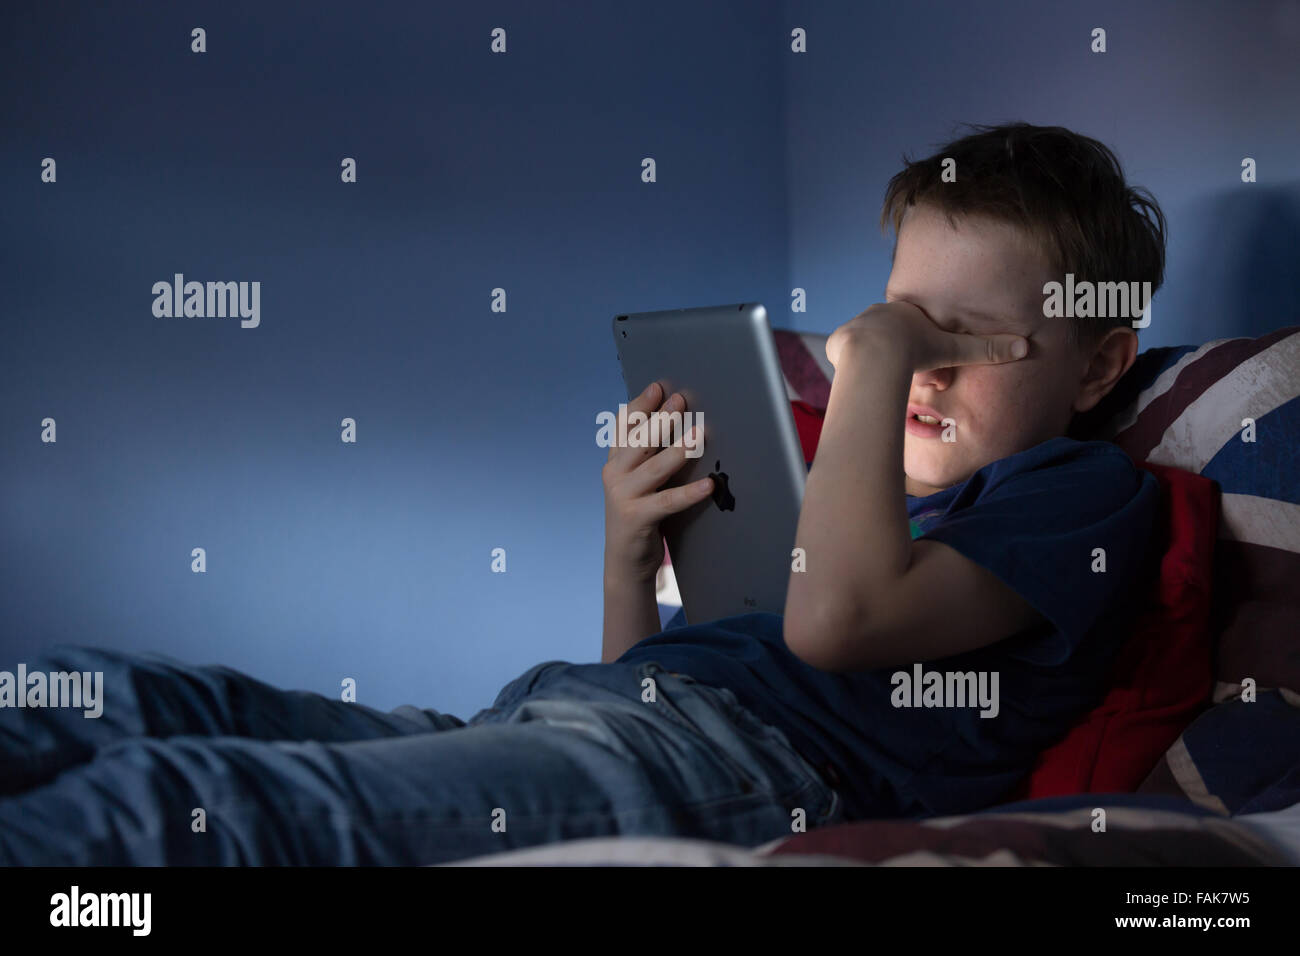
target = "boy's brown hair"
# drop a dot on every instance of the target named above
(1065, 189)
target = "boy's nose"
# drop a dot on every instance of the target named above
(935, 377)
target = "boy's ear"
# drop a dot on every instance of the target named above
(1110, 358)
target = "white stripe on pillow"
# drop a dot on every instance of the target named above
(1266, 521)
(1254, 388)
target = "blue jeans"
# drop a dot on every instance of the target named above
(205, 765)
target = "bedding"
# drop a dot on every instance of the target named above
(1279, 827)
(1058, 831)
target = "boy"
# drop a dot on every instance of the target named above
(1002, 555)
(968, 573)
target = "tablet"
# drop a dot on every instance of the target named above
(731, 553)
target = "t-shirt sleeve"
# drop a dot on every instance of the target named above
(1072, 536)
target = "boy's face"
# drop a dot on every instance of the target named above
(984, 276)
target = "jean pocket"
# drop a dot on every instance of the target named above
(664, 698)
(801, 774)
(749, 723)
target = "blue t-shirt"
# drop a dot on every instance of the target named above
(1035, 519)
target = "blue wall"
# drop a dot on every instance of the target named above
(476, 429)
(1185, 90)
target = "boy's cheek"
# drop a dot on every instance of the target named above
(1002, 397)
(1011, 381)
(995, 385)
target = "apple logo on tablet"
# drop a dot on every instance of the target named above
(722, 496)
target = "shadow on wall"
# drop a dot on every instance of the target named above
(1246, 279)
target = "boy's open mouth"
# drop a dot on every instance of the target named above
(923, 422)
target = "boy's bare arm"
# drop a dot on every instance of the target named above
(853, 525)
(631, 615)
(871, 597)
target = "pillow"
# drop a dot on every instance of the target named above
(1237, 757)
(1189, 407)
(1230, 410)
(808, 421)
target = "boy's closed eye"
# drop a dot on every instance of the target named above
(965, 322)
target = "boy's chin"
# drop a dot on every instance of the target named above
(924, 483)
(926, 479)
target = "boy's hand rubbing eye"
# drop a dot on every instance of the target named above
(903, 327)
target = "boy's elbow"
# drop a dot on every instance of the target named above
(820, 638)
(840, 640)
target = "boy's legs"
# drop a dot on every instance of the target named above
(567, 751)
(153, 695)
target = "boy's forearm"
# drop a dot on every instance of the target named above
(853, 525)
(631, 614)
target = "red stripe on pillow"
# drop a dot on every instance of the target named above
(801, 371)
(808, 422)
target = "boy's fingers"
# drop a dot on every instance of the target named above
(649, 398)
(680, 497)
(643, 431)
(662, 465)
(638, 450)
(992, 349)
